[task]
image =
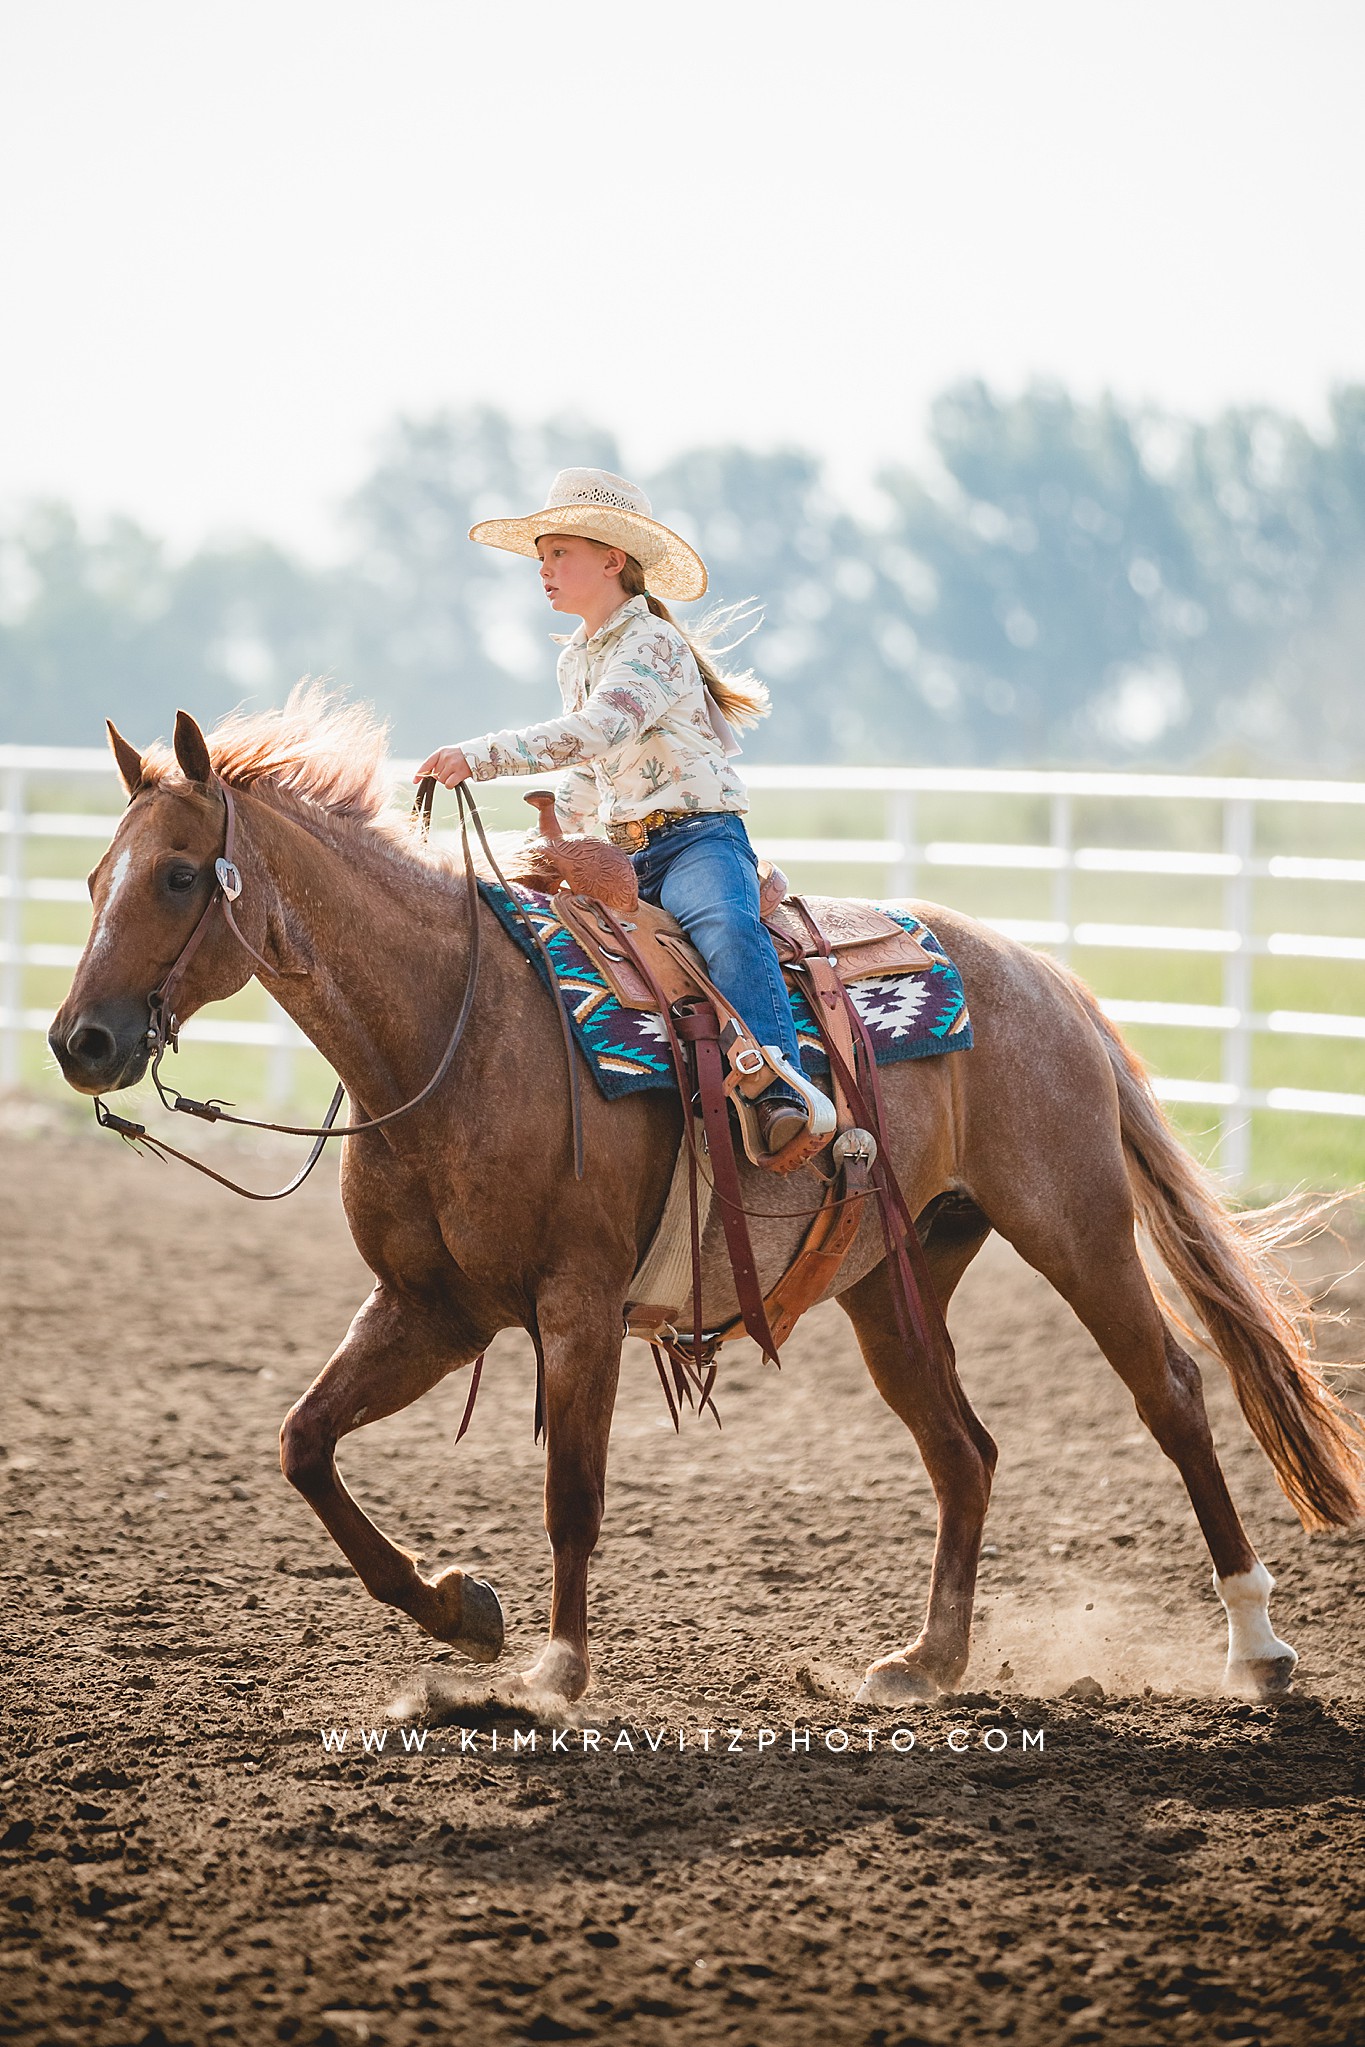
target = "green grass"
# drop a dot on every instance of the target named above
(1287, 1150)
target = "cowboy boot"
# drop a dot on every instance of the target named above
(781, 1118)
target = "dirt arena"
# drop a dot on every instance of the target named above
(181, 1860)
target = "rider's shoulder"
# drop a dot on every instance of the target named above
(645, 630)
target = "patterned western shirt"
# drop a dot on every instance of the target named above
(639, 730)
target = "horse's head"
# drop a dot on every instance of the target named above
(148, 892)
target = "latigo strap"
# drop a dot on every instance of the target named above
(699, 1027)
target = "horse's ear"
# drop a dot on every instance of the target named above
(191, 749)
(128, 758)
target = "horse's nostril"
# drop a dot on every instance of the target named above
(92, 1045)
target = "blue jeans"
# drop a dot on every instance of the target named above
(703, 871)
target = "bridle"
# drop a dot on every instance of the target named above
(163, 1032)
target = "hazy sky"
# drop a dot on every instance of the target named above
(236, 239)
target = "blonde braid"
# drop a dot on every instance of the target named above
(741, 699)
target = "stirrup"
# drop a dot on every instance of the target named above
(820, 1117)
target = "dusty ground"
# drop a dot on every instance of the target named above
(180, 1859)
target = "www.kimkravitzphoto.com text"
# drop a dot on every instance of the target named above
(666, 1741)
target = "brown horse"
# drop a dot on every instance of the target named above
(468, 1214)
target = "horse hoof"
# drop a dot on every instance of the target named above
(485, 1630)
(559, 1673)
(475, 1625)
(895, 1684)
(1262, 1677)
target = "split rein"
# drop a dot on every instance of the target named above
(164, 1028)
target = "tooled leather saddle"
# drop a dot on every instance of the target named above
(824, 944)
(647, 962)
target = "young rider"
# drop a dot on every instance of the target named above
(646, 742)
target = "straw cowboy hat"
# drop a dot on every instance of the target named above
(600, 506)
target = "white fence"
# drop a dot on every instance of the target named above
(903, 857)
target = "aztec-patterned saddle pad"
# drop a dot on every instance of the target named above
(908, 1016)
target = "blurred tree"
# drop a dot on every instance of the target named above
(105, 625)
(449, 638)
(1063, 584)
(1277, 520)
(1069, 583)
(1126, 586)
(770, 532)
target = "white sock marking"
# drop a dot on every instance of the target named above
(1246, 1599)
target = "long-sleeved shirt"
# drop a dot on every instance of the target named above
(639, 730)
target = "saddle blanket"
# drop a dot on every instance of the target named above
(908, 1016)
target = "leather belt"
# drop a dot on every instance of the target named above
(635, 833)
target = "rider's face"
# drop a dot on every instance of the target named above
(578, 576)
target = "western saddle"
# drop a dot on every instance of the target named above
(824, 944)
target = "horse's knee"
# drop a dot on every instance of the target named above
(305, 1448)
(978, 1452)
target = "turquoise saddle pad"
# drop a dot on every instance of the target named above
(908, 1016)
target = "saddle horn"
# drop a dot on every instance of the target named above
(590, 867)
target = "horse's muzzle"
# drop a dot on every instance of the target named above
(101, 1049)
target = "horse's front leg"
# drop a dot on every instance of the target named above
(580, 1338)
(395, 1350)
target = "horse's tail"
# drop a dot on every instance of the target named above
(1253, 1313)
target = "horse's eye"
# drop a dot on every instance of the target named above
(180, 879)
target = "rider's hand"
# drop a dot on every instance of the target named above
(448, 764)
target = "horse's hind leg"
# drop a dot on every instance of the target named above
(958, 1454)
(393, 1352)
(1093, 1263)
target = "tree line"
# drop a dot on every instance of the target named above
(1057, 583)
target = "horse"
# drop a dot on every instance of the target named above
(471, 1219)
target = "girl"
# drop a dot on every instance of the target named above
(646, 743)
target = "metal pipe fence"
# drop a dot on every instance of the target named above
(895, 798)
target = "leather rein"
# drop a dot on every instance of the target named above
(163, 1031)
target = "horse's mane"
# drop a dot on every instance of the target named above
(329, 752)
(324, 758)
